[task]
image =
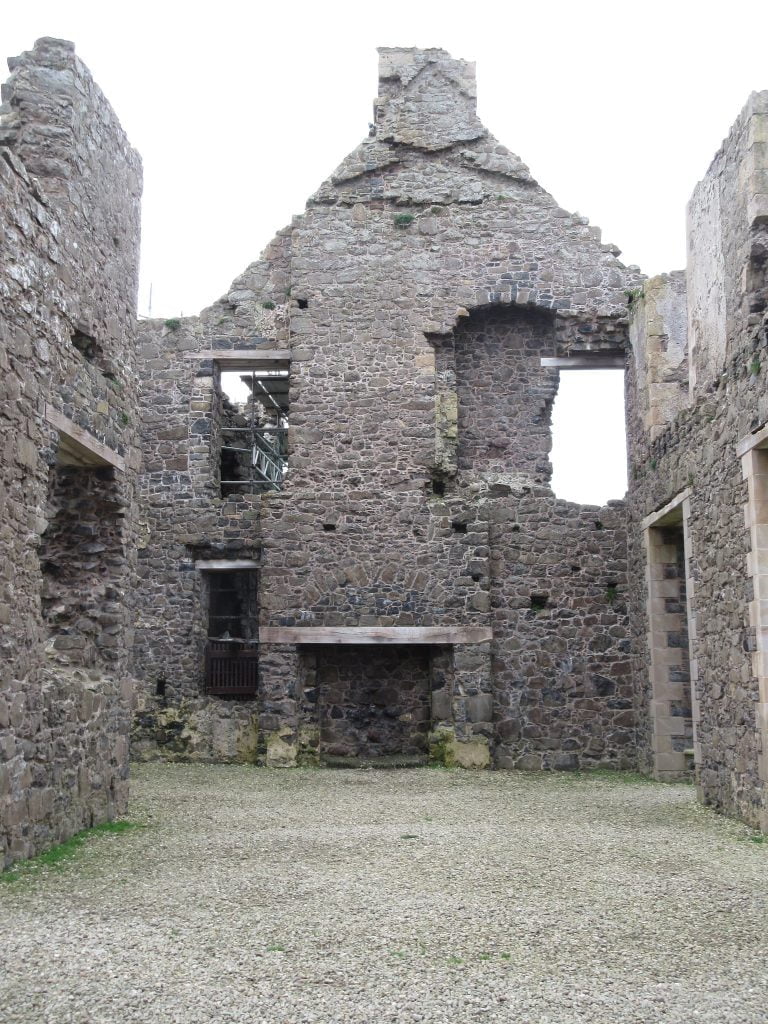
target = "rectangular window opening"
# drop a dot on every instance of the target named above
(589, 448)
(81, 563)
(253, 424)
(231, 660)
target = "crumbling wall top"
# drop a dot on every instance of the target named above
(57, 122)
(727, 230)
(427, 99)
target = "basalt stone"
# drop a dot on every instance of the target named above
(66, 667)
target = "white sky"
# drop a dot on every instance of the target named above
(240, 110)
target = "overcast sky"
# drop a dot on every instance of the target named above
(241, 110)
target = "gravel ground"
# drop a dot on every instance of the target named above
(349, 897)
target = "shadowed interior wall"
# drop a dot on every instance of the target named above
(374, 702)
(505, 396)
(81, 555)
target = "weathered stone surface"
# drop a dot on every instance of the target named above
(69, 203)
(413, 302)
(416, 295)
(685, 444)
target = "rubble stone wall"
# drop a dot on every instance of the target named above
(373, 703)
(561, 661)
(505, 396)
(696, 450)
(416, 296)
(69, 205)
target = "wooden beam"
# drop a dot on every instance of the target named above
(79, 448)
(224, 564)
(248, 356)
(374, 634)
(586, 362)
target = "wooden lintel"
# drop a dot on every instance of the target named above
(243, 355)
(224, 564)
(77, 447)
(586, 362)
(374, 634)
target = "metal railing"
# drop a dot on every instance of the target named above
(231, 668)
(266, 456)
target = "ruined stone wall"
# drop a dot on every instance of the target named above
(70, 227)
(659, 341)
(695, 451)
(505, 398)
(184, 520)
(727, 244)
(561, 661)
(429, 224)
(373, 703)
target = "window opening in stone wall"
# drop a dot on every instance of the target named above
(254, 430)
(86, 345)
(231, 662)
(81, 560)
(589, 447)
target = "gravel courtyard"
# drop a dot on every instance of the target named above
(349, 897)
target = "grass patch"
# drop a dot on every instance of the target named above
(63, 853)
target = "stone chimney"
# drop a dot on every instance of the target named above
(427, 99)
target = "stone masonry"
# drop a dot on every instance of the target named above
(412, 304)
(314, 524)
(697, 406)
(69, 203)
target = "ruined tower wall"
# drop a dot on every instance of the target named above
(386, 514)
(70, 224)
(691, 455)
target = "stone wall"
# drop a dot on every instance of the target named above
(373, 703)
(70, 225)
(505, 397)
(726, 217)
(414, 298)
(561, 662)
(659, 340)
(693, 452)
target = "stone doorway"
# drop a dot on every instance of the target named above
(674, 707)
(374, 702)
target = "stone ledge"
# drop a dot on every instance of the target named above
(77, 447)
(374, 634)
